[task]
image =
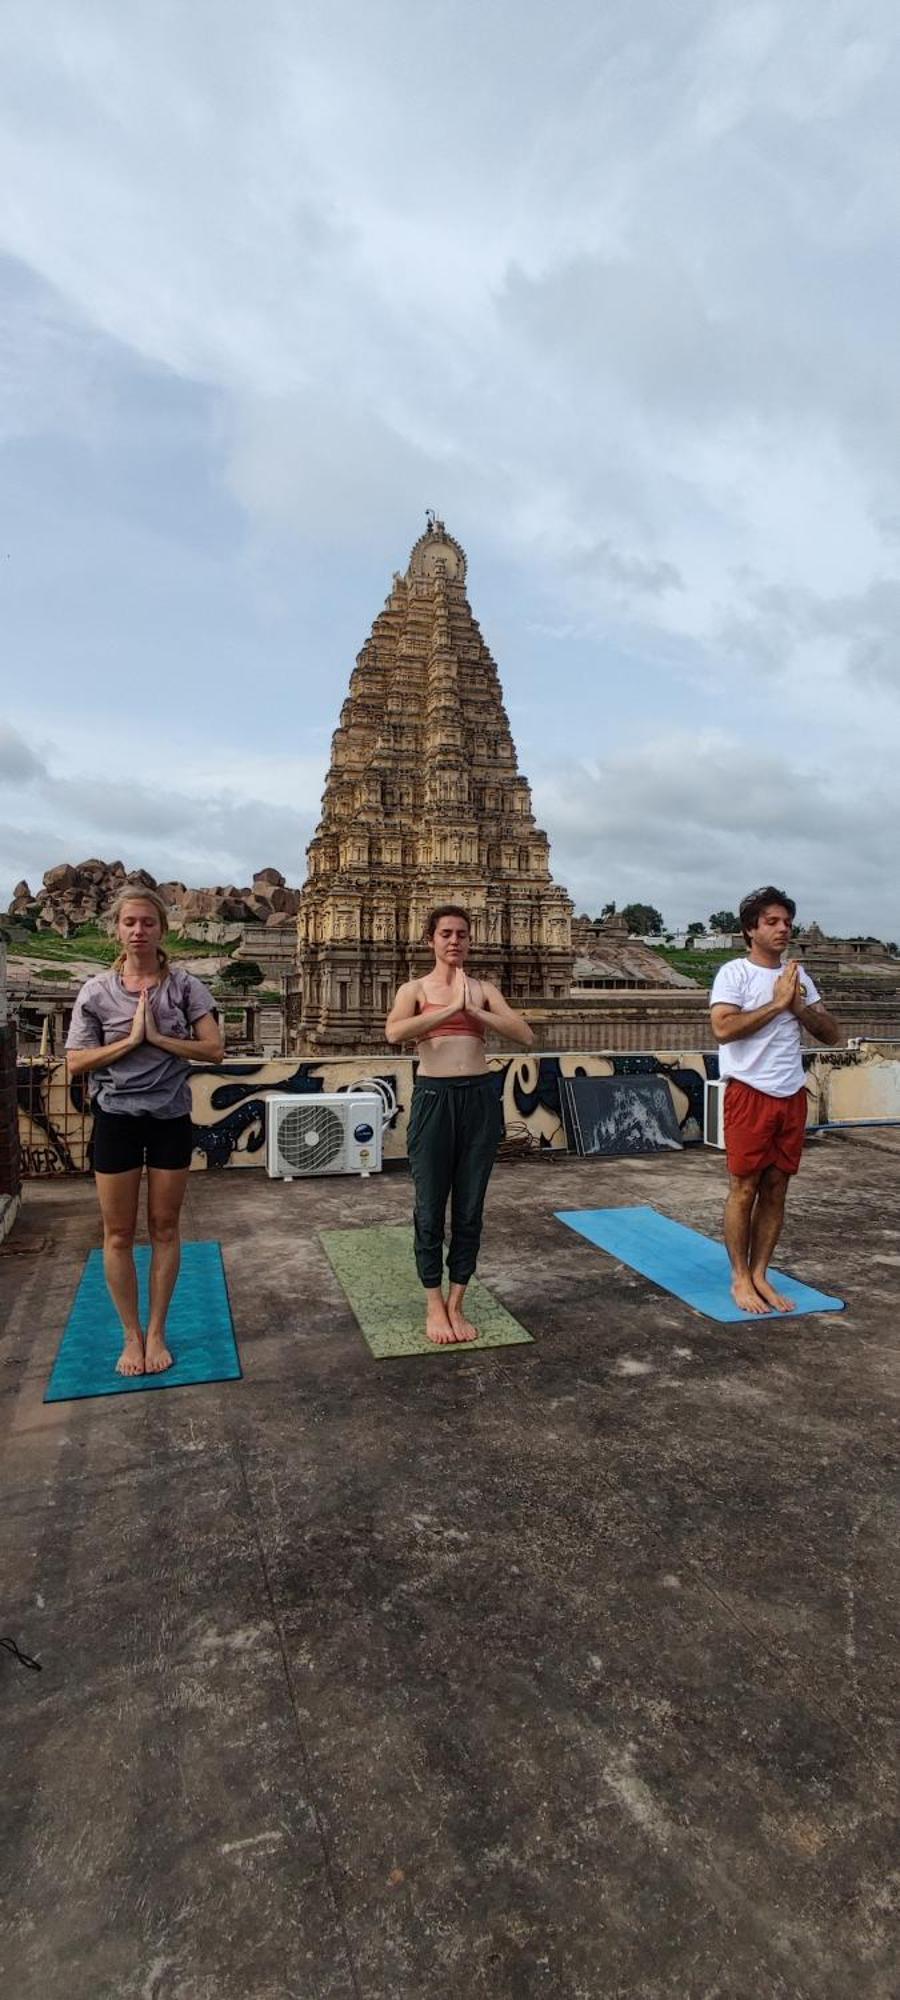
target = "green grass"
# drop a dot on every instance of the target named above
(701, 966)
(199, 947)
(89, 942)
(86, 942)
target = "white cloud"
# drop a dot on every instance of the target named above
(212, 823)
(615, 293)
(691, 820)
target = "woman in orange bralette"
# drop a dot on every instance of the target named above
(456, 1121)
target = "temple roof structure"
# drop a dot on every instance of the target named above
(424, 803)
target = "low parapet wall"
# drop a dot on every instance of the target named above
(229, 1102)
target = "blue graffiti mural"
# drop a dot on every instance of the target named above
(244, 1125)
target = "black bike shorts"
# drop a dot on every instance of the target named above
(122, 1141)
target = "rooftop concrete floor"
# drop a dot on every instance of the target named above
(562, 1670)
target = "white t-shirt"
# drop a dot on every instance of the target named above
(770, 1060)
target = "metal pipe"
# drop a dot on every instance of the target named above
(846, 1124)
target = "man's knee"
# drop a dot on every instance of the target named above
(743, 1188)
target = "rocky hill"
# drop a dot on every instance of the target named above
(81, 893)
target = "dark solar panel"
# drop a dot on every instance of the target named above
(619, 1115)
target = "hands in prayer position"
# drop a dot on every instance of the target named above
(143, 1027)
(785, 989)
(471, 1006)
(790, 991)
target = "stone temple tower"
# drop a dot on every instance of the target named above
(424, 804)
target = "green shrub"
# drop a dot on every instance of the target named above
(243, 972)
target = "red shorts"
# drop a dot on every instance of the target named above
(763, 1131)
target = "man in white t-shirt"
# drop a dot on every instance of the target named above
(757, 1008)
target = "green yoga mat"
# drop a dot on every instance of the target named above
(378, 1273)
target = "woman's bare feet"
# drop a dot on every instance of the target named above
(775, 1301)
(131, 1359)
(156, 1355)
(462, 1327)
(446, 1324)
(437, 1325)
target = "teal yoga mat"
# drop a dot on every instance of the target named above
(199, 1330)
(681, 1261)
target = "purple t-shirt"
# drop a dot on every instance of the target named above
(147, 1078)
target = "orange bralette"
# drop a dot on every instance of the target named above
(460, 1023)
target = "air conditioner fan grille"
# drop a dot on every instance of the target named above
(309, 1137)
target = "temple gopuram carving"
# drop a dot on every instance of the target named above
(424, 804)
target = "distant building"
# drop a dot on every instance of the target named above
(424, 804)
(610, 959)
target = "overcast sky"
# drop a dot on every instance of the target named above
(614, 287)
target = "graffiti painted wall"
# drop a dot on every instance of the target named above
(229, 1105)
(54, 1121)
(229, 1102)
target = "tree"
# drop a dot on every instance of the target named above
(724, 920)
(608, 910)
(241, 972)
(642, 919)
(695, 930)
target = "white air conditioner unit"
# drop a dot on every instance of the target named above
(335, 1133)
(714, 1112)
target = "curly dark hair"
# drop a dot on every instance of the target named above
(752, 906)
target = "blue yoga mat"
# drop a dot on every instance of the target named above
(199, 1332)
(690, 1266)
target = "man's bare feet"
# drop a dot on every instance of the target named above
(462, 1327)
(774, 1300)
(131, 1359)
(745, 1295)
(156, 1355)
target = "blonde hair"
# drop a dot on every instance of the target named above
(135, 892)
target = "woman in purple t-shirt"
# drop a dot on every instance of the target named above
(133, 1034)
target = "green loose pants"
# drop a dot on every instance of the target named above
(455, 1127)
